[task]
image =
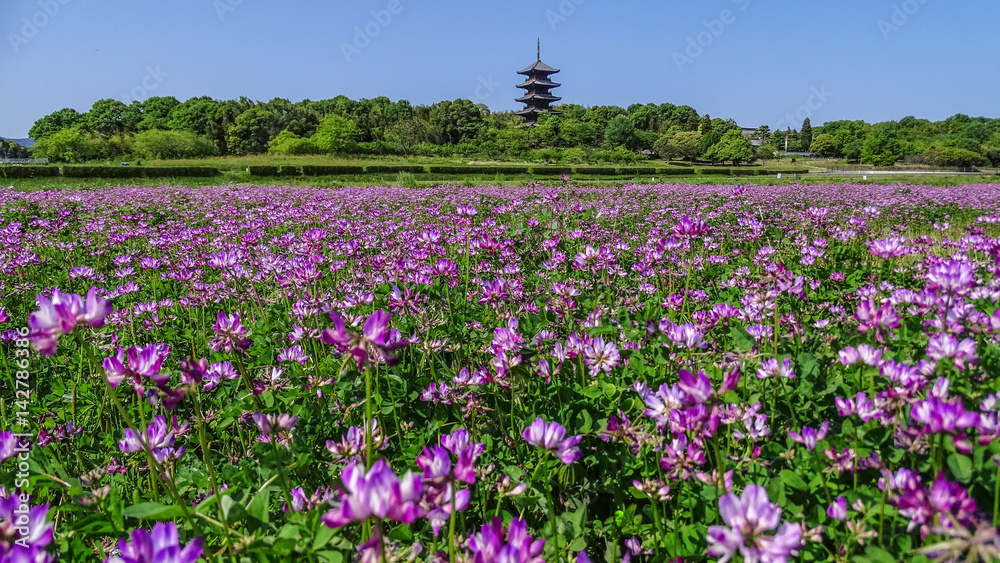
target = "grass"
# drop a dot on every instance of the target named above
(234, 171)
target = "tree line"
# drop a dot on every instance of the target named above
(165, 128)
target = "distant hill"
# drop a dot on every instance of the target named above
(26, 142)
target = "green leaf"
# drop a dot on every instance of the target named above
(591, 392)
(258, 507)
(742, 338)
(961, 467)
(401, 533)
(585, 422)
(323, 535)
(878, 555)
(793, 480)
(152, 511)
(268, 398)
(808, 365)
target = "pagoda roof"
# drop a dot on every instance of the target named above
(539, 82)
(536, 96)
(536, 111)
(539, 68)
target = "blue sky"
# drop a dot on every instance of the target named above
(757, 61)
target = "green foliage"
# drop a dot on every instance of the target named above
(617, 155)
(249, 134)
(66, 145)
(954, 156)
(336, 135)
(263, 170)
(394, 169)
(289, 143)
(881, 147)
(682, 145)
(825, 144)
(173, 144)
(21, 171)
(56, 121)
(707, 141)
(733, 146)
(620, 133)
(595, 171)
(106, 117)
(806, 133)
(331, 170)
(550, 170)
(286, 170)
(139, 171)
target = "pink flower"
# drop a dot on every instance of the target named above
(551, 436)
(62, 314)
(377, 494)
(747, 519)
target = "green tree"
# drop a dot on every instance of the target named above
(66, 145)
(825, 144)
(881, 147)
(732, 146)
(806, 134)
(54, 122)
(193, 115)
(156, 112)
(288, 142)
(337, 135)
(620, 132)
(250, 132)
(682, 145)
(107, 117)
(159, 144)
(954, 156)
(455, 122)
(707, 141)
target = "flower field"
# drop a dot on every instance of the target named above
(501, 374)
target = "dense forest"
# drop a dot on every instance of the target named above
(166, 128)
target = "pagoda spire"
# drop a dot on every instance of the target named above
(537, 85)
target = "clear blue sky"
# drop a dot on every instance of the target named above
(759, 66)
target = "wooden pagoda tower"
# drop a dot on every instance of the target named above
(537, 84)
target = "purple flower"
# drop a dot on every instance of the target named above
(490, 545)
(838, 510)
(293, 354)
(159, 546)
(8, 446)
(62, 314)
(601, 356)
(747, 519)
(771, 368)
(18, 517)
(551, 436)
(944, 345)
(156, 437)
(230, 334)
(378, 494)
(376, 341)
(810, 436)
(275, 424)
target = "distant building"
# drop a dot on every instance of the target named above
(751, 133)
(537, 84)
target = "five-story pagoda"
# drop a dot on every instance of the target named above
(537, 97)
